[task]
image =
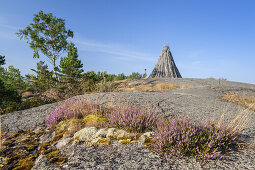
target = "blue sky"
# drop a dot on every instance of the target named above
(208, 38)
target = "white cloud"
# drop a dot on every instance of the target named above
(118, 51)
(8, 35)
(8, 26)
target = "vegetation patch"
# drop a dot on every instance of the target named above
(182, 138)
(94, 120)
(77, 109)
(245, 101)
(132, 119)
(22, 150)
(125, 86)
(57, 137)
(56, 157)
(178, 137)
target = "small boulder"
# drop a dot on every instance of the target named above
(101, 133)
(86, 134)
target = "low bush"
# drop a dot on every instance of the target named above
(78, 109)
(182, 138)
(132, 119)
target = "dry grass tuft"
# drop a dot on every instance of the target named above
(246, 101)
(142, 87)
(163, 86)
(240, 121)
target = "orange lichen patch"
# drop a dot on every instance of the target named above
(246, 101)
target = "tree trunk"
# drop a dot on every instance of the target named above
(54, 67)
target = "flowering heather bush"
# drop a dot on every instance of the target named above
(68, 110)
(182, 138)
(132, 119)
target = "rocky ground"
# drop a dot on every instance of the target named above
(200, 102)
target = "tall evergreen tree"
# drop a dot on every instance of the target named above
(70, 66)
(43, 80)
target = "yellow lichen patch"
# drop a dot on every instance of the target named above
(26, 163)
(55, 157)
(57, 137)
(15, 157)
(132, 136)
(43, 147)
(125, 141)
(112, 137)
(104, 141)
(53, 154)
(31, 147)
(25, 166)
(77, 138)
(94, 120)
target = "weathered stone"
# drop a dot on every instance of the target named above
(101, 133)
(62, 143)
(43, 163)
(165, 67)
(86, 134)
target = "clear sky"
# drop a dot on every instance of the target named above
(208, 38)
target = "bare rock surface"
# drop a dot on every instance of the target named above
(200, 102)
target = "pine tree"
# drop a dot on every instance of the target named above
(44, 79)
(70, 66)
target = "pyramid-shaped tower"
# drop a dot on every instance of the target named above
(165, 67)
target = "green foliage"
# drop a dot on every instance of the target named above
(31, 102)
(70, 66)
(120, 77)
(46, 34)
(12, 78)
(135, 75)
(9, 99)
(2, 60)
(43, 80)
